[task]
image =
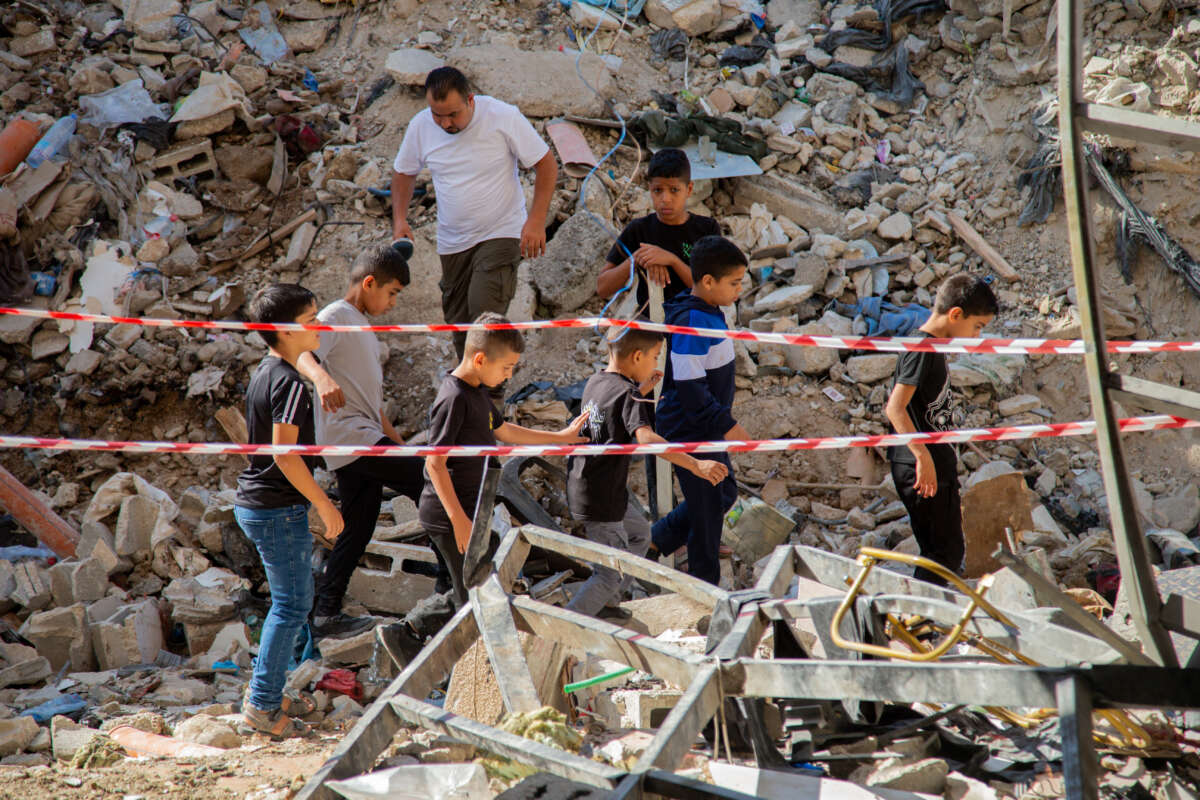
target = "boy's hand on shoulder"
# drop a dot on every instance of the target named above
(330, 393)
(926, 484)
(571, 434)
(648, 386)
(331, 518)
(712, 471)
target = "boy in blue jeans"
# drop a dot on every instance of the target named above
(696, 405)
(273, 497)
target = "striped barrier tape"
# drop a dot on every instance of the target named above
(1008, 433)
(886, 344)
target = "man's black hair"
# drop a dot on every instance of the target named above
(442, 81)
(279, 302)
(670, 162)
(716, 256)
(491, 343)
(627, 342)
(967, 292)
(382, 262)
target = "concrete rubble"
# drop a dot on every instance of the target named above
(220, 173)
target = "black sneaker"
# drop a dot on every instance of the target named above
(339, 626)
(400, 642)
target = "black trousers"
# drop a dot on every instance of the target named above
(936, 521)
(433, 612)
(360, 485)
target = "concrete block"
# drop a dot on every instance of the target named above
(135, 524)
(351, 651)
(96, 541)
(195, 602)
(67, 737)
(200, 636)
(8, 585)
(21, 666)
(645, 708)
(16, 734)
(60, 635)
(78, 581)
(203, 729)
(104, 608)
(1019, 404)
(392, 590)
(132, 635)
(789, 198)
(32, 586)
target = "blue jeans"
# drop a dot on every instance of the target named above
(284, 543)
(697, 521)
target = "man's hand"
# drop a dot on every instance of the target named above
(331, 518)
(462, 533)
(926, 484)
(648, 386)
(330, 393)
(712, 471)
(533, 238)
(402, 230)
(657, 262)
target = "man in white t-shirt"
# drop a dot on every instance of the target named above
(474, 147)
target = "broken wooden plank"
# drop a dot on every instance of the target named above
(234, 425)
(266, 240)
(980, 245)
(493, 615)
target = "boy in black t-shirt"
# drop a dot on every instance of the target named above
(463, 414)
(661, 243)
(926, 476)
(273, 496)
(619, 411)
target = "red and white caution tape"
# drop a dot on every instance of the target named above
(1008, 433)
(886, 344)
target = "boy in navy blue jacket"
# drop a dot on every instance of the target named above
(696, 405)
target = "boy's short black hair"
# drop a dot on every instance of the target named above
(716, 256)
(626, 342)
(279, 302)
(967, 292)
(492, 343)
(440, 82)
(382, 262)
(670, 162)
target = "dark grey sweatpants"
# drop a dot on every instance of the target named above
(632, 535)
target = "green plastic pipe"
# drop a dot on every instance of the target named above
(575, 687)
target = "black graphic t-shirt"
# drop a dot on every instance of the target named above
(276, 394)
(929, 408)
(461, 414)
(676, 239)
(596, 485)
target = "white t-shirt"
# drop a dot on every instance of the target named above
(355, 362)
(479, 194)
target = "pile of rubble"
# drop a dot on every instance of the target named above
(152, 624)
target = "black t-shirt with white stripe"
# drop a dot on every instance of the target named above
(276, 394)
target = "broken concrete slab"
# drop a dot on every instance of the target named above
(179, 691)
(566, 275)
(872, 368)
(410, 65)
(351, 651)
(198, 601)
(132, 635)
(31, 588)
(96, 542)
(60, 635)
(693, 17)
(789, 198)
(988, 507)
(67, 737)
(135, 525)
(21, 665)
(84, 581)
(392, 590)
(519, 77)
(16, 734)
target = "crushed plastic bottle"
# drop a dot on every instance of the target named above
(53, 141)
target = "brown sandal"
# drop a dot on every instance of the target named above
(276, 724)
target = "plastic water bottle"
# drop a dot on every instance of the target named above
(55, 140)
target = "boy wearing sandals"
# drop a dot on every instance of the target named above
(273, 497)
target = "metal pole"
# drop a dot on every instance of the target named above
(1136, 573)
